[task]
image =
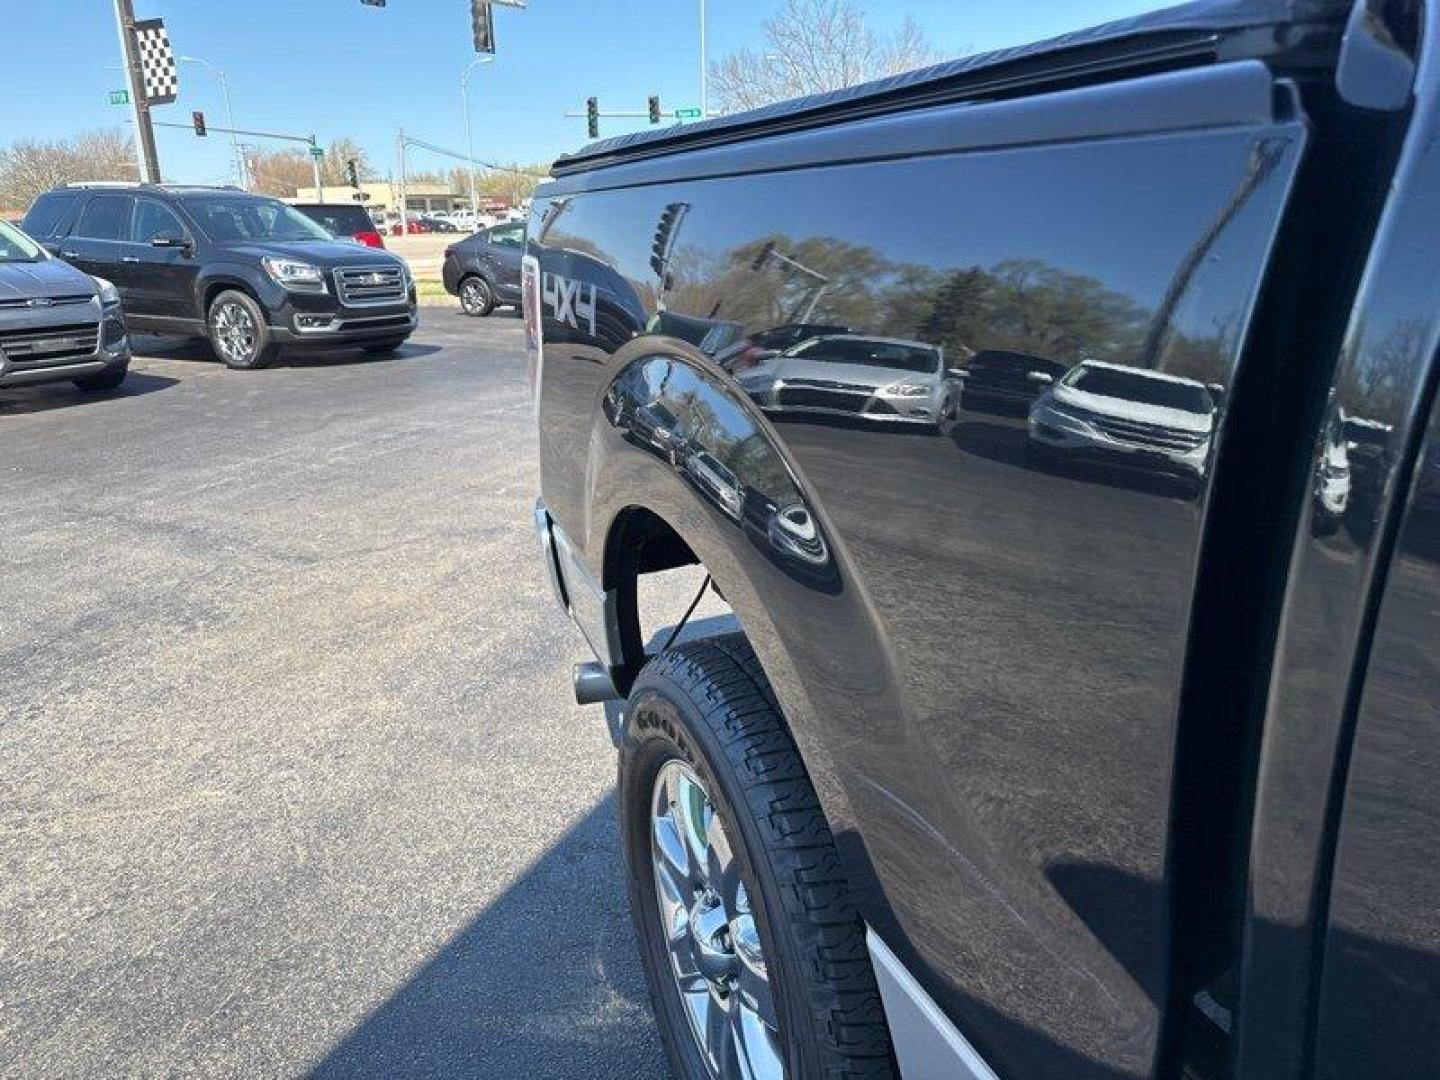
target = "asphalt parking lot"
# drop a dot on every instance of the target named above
(290, 778)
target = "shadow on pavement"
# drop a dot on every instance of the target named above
(198, 350)
(545, 982)
(16, 400)
(409, 351)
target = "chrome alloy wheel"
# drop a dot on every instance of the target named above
(234, 332)
(710, 932)
(474, 296)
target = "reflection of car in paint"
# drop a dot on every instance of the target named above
(745, 354)
(792, 529)
(659, 427)
(997, 380)
(717, 481)
(1131, 417)
(1332, 487)
(848, 375)
(708, 335)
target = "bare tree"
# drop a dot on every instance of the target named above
(30, 166)
(812, 46)
(340, 151)
(515, 183)
(280, 172)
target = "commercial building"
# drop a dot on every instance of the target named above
(420, 198)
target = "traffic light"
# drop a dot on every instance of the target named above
(592, 117)
(352, 174)
(482, 22)
(198, 119)
(654, 108)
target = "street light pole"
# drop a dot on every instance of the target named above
(469, 143)
(238, 164)
(704, 77)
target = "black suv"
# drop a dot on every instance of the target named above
(246, 271)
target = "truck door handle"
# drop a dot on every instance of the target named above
(69, 254)
(128, 259)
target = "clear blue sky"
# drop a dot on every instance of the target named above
(336, 67)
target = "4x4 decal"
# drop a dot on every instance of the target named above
(570, 301)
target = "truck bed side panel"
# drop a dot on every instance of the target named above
(995, 377)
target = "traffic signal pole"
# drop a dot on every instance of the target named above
(315, 167)
(140, 108)
(309, 140)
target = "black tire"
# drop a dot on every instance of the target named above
(709, 706)
(383, 348)
(246, 343)
(477, 298)
(109, 379)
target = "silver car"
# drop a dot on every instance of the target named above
(850, 375)
(55, 322)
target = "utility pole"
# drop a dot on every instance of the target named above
(704, 79)
(139, 106)
(403, 200)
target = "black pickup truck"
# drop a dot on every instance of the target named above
(1082, 725)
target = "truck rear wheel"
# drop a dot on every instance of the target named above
(755, 955)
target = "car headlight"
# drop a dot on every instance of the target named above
(1053, 415)
(109, 295)
(294, 275)
(908, 390)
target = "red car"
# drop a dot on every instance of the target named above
(342, 220)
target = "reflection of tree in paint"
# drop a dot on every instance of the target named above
(1019, 305)
(1382, 373)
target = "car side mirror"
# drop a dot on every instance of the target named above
(1040, 377)
(167, 241)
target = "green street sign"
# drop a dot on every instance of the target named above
(119, 97)
(687, 114)
(317, 151)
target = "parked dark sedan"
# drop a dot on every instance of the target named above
(1001, 381)
(484, 270)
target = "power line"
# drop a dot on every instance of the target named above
(410, 140)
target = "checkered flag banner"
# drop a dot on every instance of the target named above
(157, 62)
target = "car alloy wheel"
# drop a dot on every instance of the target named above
(235, 333)
(474, 296)
(709, 929)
